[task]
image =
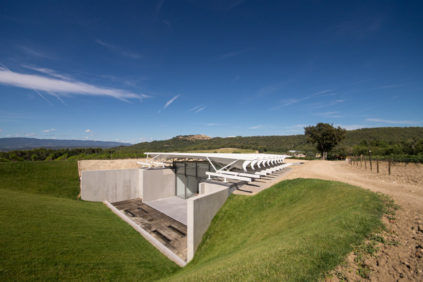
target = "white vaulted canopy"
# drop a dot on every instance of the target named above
(245, 162)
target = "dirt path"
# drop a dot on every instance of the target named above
(404, 259)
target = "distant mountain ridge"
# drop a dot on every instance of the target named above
(23, 143)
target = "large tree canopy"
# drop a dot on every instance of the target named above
(325, 136)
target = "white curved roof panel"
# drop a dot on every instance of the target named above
(242, 161)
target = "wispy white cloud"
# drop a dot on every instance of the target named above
(234, 3)
(351, 126)
(87, 130)
(264, 91)
(125, 53)
(57, 87)
(195, 108)
(202, 108)
(360, 26)
(169, 102)
(330, 114)
(294, 129)
(327, 104)
(291, 101)
(32, 52)
(208, 124)
(159, 6)
(407, 122)
(49, 130)
(48, 72)
(256, 126)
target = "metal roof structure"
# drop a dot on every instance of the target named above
(244, 161)
(244, 167)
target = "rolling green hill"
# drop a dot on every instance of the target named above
(390, 135)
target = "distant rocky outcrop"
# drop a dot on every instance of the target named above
(193, 137)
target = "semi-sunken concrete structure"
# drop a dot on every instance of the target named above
(172, 197)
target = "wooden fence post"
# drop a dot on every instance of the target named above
(389, 167)
(370, 160)
(377, 166)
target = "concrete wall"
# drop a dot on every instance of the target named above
(110, 185)
(209, 187)
(201, 210)
(156, 183)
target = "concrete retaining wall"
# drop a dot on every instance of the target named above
(156, 184)
(208, 187)
(201, 210)
(110, 185)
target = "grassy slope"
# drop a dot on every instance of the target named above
(44, 237)
(50, 237)
(58, 178)
(296, 230)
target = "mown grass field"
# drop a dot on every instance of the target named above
(296, 230)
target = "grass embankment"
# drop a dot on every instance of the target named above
(297, 230)
(56, 178)
(51, 237)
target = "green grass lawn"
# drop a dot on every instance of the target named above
(296, 230)
(56, 178)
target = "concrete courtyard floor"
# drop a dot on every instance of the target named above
(173, 207)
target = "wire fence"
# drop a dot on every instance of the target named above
(378, 164)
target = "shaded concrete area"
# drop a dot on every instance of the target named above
(170, 232)
(258, 185)
(173, 207)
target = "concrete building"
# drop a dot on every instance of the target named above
(172, 197)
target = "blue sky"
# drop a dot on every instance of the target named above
(145, 70)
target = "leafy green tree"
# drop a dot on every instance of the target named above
(324, 136)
